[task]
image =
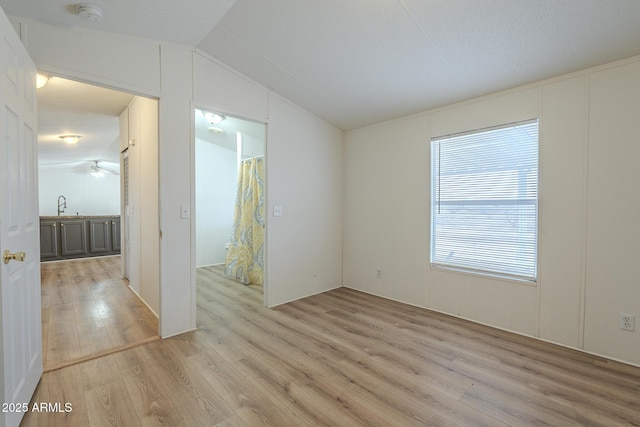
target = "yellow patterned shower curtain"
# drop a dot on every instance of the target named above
(245, 260)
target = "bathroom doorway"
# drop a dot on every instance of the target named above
(230, 229)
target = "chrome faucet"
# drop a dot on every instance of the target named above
(62, 205)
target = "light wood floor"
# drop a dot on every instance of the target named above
(341, 358)
(87, 309)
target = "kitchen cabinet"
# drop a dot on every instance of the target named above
(49, 239)
(99, 235)
(67, 237)
(73, 238)
(115, 234)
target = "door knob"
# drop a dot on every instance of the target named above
(8, 256)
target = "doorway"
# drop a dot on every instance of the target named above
(228, 242)
(88, 309)
(79, 159)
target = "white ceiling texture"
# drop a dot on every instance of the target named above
(67, 107)
(357, 62)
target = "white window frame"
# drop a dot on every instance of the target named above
(474, 254)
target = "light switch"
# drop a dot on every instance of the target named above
(277, 210)
(184, 211)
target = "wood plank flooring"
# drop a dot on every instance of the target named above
(342, 358)
(87, 310)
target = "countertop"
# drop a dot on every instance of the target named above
(55, 217)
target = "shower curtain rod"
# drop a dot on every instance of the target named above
(253, 157)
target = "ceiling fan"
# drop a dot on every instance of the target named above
(99, 171)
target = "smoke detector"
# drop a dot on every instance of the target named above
(89, 11)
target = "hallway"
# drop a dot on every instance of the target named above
(87, 310)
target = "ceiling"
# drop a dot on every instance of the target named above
(184, 21)
(358, 62)
(69, 107)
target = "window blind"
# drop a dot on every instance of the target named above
(485, 200)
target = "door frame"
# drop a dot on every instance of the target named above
(80, 77)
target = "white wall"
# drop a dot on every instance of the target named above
(216, 188)
(85, 194)
(150, 221)
(305, 177)
(112, 60)
(176, 175)
(141, 213)
(588, 226)
(252, 146)
(613, 209)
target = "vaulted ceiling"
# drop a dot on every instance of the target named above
(357, 62)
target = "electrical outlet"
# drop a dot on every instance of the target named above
(627, 322)
(379, 274)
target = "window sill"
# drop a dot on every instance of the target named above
(484, 275)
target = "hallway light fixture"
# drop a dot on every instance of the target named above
(70, 139)
(216, 130)
(213, 118)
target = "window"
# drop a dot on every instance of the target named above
(484, 206)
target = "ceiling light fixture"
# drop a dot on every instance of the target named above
(213, 118)
(41, 80)
(70, 139)
(97, 173)
(89, 11)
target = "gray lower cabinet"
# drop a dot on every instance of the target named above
(115, 234)
(78, 237)
(100, 235)
(73, 237)
(49, 239)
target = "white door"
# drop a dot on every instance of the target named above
(21, 328)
